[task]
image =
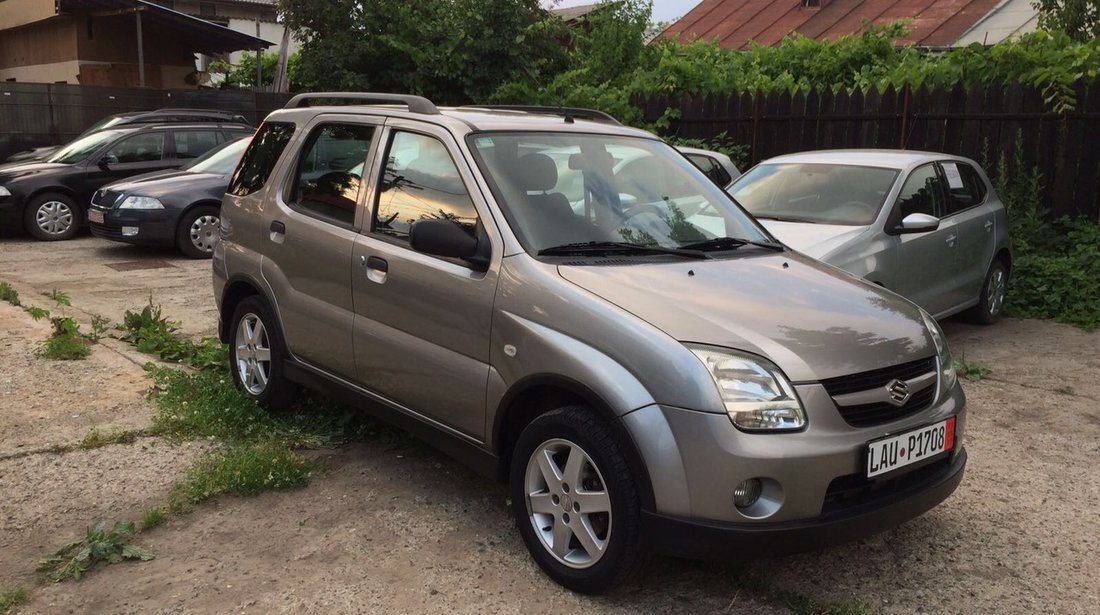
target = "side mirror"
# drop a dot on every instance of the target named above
(447, 239)
(918, 223)
(106, 161)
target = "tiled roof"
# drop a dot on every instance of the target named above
(738, 23)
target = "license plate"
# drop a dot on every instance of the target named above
(95, 216)
(896, 452)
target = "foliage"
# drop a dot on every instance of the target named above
(153, 517)
(152, 333)
(65, 343)
(972, 371)
(721, 143)
(1080, 19)
(1055, 265)
(98, 545)
(453, 51)
(100, 325)
(243, 73)
(12, 598)
(97, 439)
(243, 469)
(9, 294)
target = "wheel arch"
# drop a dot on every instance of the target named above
(236, 290)
(1005, 256)
(535, 395)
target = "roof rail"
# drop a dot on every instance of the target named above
(567, 112)
(416, 104)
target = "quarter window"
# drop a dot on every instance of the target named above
(922, 193)
(421, 182)
(330, 172)
(711, 168)
(260, 158)
(145, 147)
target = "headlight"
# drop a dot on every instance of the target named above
(757, 395)
(4, 191)
(948, 376)
(140, 202)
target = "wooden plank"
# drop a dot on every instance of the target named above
(989, 129)
(888, 132)
(812, 125)
(970, 133)
(797, 126)
(1088, 184)
(869, 128)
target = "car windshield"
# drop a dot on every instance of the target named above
(841, 194)
(83, 147)
(222, 159)
(103, 124)
(566, 189)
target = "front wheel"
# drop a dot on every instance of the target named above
(575, 500)
(256, 355)
(52, 217)
(197, 232)
(992, 300)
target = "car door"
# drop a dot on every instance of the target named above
(133, 154)
(927, 266)
(973, 218)
(310, 234)
(190, 143)
(422, 323)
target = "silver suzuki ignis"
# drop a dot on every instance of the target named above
(569, 305)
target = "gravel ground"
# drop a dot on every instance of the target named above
(398, 530)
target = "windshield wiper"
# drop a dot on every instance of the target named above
(731, 243)
(782, 218)
(616, 247)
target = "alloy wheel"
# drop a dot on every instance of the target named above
(995, 295)
(252, 354)
(568, 503)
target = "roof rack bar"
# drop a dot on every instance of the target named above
(576, 112)
(416, 104)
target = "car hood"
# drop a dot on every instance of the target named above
(816, 240)
(166, 183)
(16, 170)
(813, 321)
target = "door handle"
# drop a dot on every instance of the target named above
(951, 239)
(988, 225)
(377, 268)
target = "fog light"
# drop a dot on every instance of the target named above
(747, 493)
(129, 231)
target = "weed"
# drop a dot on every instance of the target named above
(99, 327)
(152, 333)
(99, 545)
(96, 438)
(242, 469)
(13, 597)
(1065, 390)
(38, 313)
(60, 298)
(972, 371)
(66, 343)
(9, 294)
(153, 517)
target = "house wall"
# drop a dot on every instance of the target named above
(15, 13)
(45, 51)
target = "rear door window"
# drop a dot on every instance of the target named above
(711, 168)
(328, 180)
(260, 158)
(965, 188)
(194, 143)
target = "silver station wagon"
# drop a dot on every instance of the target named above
(571, 307)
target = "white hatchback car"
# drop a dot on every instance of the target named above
(927, 226)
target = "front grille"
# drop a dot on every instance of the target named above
(855, 490)
(106, 232)
(105, 198)
(867, 415)
(878, 377)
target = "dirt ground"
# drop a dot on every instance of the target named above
(406, 530)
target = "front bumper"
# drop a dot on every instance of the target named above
(10, 211)
(155, 227)
(749, 541)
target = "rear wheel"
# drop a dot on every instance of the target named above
(575, 500)
(992, 301)
(256, 355)
(51, 217)
(197, 232)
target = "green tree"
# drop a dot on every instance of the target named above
(1080, 19)
(244, 72)
(453, 51)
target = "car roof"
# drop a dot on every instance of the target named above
(886, 158)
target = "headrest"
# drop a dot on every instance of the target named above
(537, 172)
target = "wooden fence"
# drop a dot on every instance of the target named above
(37, 114)
(979, 122)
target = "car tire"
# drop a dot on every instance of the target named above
(52, 217)
(992, 300)
(256, 355)
(587, 552)
(198, 231)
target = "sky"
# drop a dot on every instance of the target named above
(663, 10)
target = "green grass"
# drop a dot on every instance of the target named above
(99, 545)
(64, 344)
(245, 469)
(9, 294)
(152, 333)
(12, 598)
(153, 517)
(972, 371)
(96, 438)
